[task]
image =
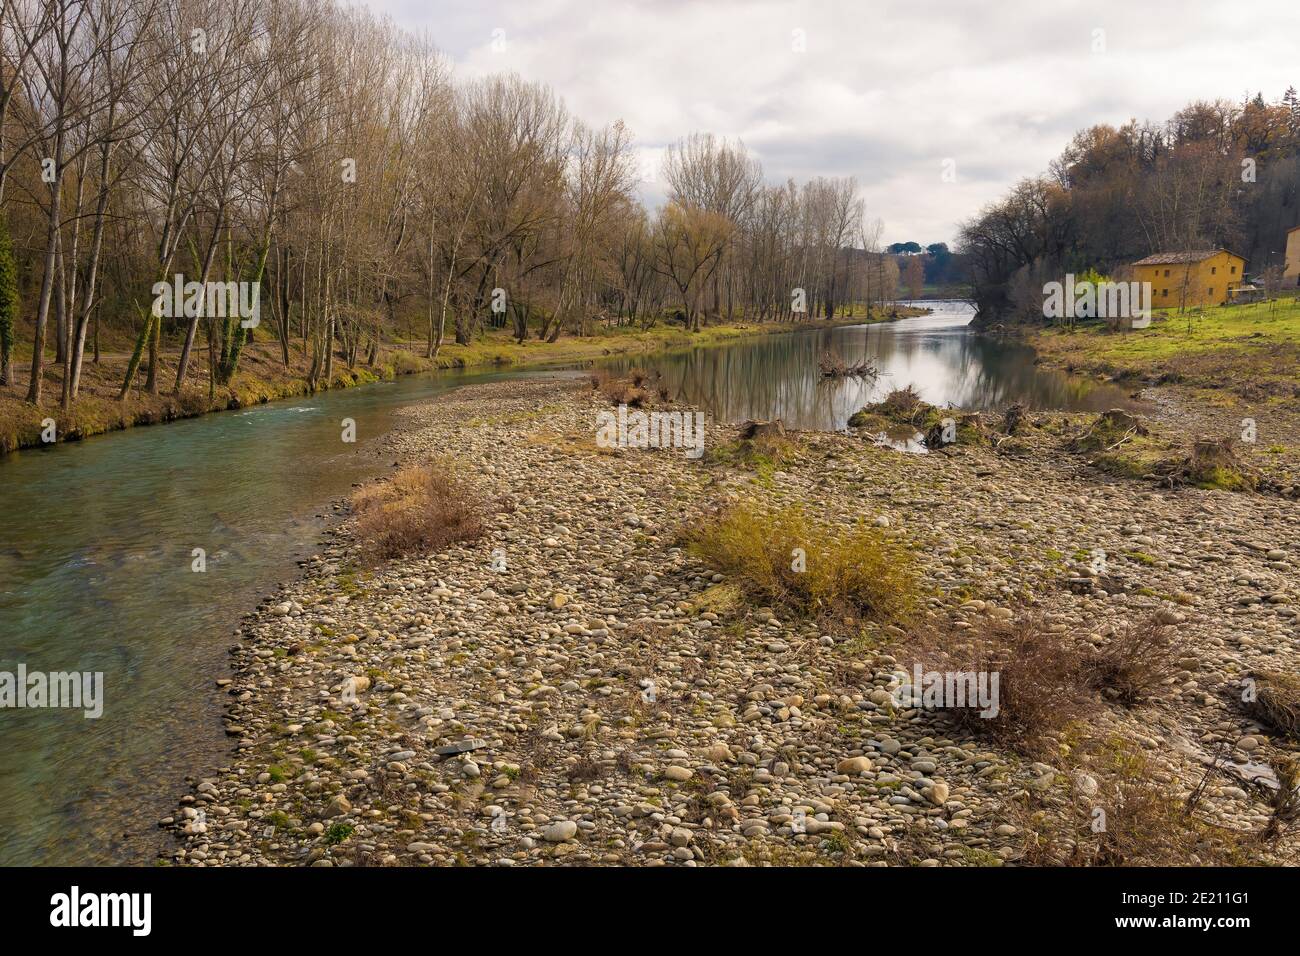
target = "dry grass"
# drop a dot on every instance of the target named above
(637, 389)
(1136, 664)
(902, 405)
(422, 508)
(856, 572)
(1277, 702)
(1284, 802)
(1042, 687)
(1128, 818)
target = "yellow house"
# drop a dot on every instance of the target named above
(1180, 279)
(1291, 276)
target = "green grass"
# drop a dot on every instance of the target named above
(764, 456)
(338, 832)
(1242, 347)
(1221, 327)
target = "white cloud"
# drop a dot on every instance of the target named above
(884, 91)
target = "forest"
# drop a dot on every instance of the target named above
(374, 199)
(1215, 175)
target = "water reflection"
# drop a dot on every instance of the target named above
(778, 377)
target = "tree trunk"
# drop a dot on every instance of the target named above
(47, 293)
(193, 326)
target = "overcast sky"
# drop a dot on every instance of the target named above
(885, 92)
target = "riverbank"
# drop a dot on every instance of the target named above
(264, 378)
(1230, 375)
(1247, 352)
(608, 699)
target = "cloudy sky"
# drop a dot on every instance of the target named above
(886, 92)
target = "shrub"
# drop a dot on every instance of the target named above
(338, 832)
(421, 508)
(1277, 702)
(1136, 663)
(1121, 445)
(866, 419)
(902, 405)
(1284, 800)
(856, 572)
(1141, 821)
(1041, 679)
(633, 391)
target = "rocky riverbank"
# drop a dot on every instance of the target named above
(574, 687)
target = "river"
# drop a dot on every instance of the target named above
(98, 539)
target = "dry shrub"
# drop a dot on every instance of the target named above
(421, 508)
(634, 391)
(832, 365)
(1142, 822)
(1277, 702)
(584, 769)
(1284, 802)
(1136, 663)
(857, 571)
(1041, 690)
(901, 405)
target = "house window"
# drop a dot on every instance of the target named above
(1211, 290)
(1234, 270)
(1165, 293)
(1166, 273)
(1214, 270)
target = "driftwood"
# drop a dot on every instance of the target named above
(1109, 431)
(832, 365)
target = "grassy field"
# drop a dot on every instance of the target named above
(1252, 350)
(263, 377)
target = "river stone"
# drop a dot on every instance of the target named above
(560, 831)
